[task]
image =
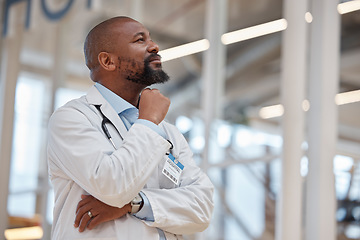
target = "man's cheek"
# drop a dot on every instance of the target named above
(127, 64)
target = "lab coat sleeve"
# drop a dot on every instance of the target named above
(188, 208)
(79, 150)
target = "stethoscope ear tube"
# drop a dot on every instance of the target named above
(104, 128)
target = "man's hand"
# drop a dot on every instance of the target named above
(153, 105)
(100, 212)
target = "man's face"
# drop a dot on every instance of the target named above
(138, 60)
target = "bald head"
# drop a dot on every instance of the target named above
(100, 39)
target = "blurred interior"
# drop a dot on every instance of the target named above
(42, 67)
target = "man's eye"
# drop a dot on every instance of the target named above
(139, 40)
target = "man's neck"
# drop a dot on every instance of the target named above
(130, 92)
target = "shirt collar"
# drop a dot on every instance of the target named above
(117, 102)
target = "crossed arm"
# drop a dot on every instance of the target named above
(100, 211)
(188, 207)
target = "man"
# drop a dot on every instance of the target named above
(118, 170)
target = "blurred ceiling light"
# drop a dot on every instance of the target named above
(347, 7)
(253, 32)
(278, 110)
(244, 137)
(184, 124)
(347, 97)
(227, 38)
(308, 17)
(24, 233)
(343, 163)
(184, 50)
(340, 99)
(224, 135)
(306, 105)
(245, 34)
(304, 166)
(197, 143)
(271, 111)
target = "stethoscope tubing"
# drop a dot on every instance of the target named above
(104, 128)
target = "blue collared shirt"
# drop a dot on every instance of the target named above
(129, 115)
(126, 110)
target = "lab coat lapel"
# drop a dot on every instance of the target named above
(94, 97)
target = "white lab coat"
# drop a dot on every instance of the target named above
(83, 161)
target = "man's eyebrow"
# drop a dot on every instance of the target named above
(139, 34)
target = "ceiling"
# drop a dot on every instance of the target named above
(252, 70)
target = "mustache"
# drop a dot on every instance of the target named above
(152, 56)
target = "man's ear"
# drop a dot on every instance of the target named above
(106, 61)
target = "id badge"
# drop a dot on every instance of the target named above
(173, 169)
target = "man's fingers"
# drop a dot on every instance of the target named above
(83, 211)
(153, 106)
(145, 90)
(100, 213)
(155, 90)
(84, 222)
(79, 215)
(149, 90)
(95, 221)
(85, 199)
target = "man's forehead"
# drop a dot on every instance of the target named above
(129, 28)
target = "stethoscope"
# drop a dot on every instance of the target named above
(107, 133)
(104, 128)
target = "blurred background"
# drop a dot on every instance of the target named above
(267, 93)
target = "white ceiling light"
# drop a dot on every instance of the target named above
(340, 99)
(347, 97)
(227, 38)
(347, 7)
(246, 33)
(253, 32)
(184, 50)
(308, 17)
(278, 110)
(306, 105)
(24, 233)
(271, 111)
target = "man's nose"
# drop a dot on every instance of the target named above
(153, 47)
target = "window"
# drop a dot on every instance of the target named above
(28, 144)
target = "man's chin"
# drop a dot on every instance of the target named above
(152, 74)
(158, 77)
(156, 66)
